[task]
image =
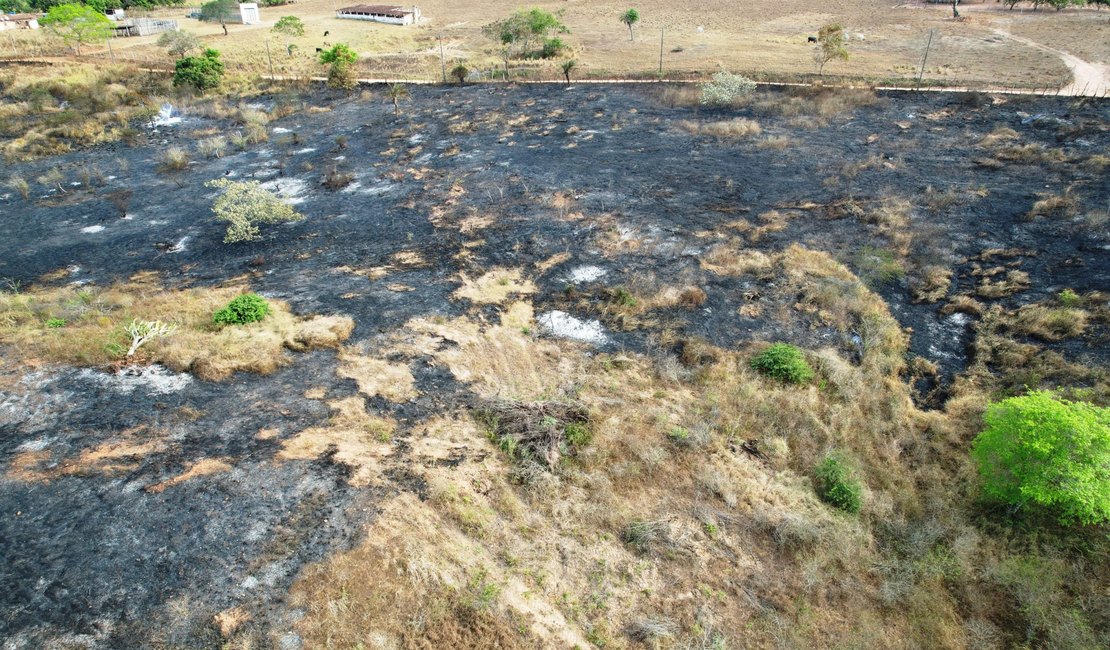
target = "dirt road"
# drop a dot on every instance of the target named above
(1088, 79)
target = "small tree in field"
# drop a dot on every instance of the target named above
(220, 11)
(342, 59)
(832, 43)
(77, 24)
(567, 67)
(1041, 450)
(178, 42)
(244, 205)
(290, 27)
(630, 18)
(459, 72)
(397, 92)
(201, 72)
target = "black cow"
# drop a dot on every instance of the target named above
(326, 33)
(319, 49)
(812, 39)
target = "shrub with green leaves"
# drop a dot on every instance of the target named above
(246, 204)
(725, 89)
(837, 485)
(55, 323)
(247, 308)
(1040, 450)
(201, 72)
(784, 362)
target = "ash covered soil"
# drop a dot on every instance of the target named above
(583, 189)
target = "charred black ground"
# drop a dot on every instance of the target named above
(99, 558)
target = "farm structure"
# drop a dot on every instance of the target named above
(19, 21)
(143, 26)
(390, 14)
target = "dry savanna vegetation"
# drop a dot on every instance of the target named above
(87, 326)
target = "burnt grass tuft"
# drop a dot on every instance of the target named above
(465, 180)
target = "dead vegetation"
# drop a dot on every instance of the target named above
(88, 328)
(735, 128)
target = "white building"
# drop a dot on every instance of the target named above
(18, 21)
(248, 13)
(389, 14)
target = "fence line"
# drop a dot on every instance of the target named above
(161, 64)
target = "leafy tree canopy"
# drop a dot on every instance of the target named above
(290, 26)
(77, 24)
(1041, 450)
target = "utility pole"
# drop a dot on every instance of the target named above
(270, 59)
(925, 58)
(442, 63)
(110, 52)
(661, 52)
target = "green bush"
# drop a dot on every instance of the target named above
(725, 89)
(201, 72)
(577, 434)
(1040, 450)
(55, 323)
(784, 362)
(247, 308)
(838, 486)
(1069, 298)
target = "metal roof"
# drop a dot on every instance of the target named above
(393, 11)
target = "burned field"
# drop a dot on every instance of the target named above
(486, 252)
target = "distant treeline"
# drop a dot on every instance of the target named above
(32, 6)
(24, 6)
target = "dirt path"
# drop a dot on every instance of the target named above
(1088, 79)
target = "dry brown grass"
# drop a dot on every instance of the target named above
(1047, 322)
(94, 318)
(501, 553)
(494, 287)
(736, 128)
(733, 259)
(1055, 206)
(352, 436)
(203, 467)
(1014, 281)
(392, 381)
(931, 284)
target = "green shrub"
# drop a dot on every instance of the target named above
(201, 72)
(246, 204)
(679, 435)
(1040, 450)
(55, 323)
(725, 89)
(838, 486)
(784, 362)
(577, 434)
(1069, 298)
(247, 308)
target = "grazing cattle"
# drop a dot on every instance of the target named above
(812, 39)
(326, 33)
(319, 49)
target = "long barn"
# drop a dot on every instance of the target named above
(390, 14)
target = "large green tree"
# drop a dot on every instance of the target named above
(77, 24)
(1040, 450)
(524, 30)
